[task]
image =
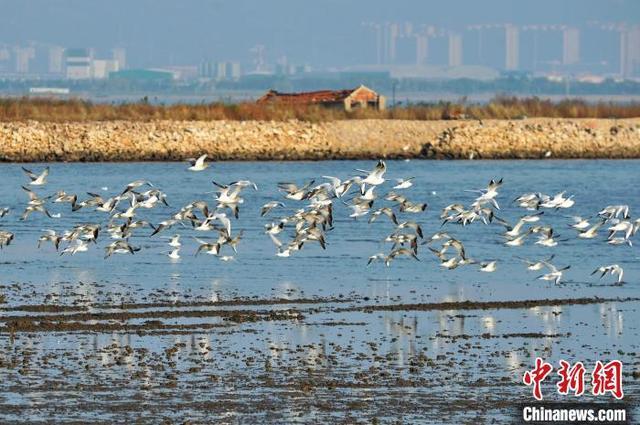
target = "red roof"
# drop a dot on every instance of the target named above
(321, 96)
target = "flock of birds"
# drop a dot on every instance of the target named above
(312, 221)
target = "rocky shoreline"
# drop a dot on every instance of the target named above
(35, 141)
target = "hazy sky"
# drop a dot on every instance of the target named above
(320, 32)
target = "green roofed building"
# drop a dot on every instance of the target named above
(78, 64)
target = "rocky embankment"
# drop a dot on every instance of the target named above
(294, 140)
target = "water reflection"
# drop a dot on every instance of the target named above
(612, 319)
(489, 323)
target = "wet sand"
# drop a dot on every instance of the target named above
(73, 319)
(358, 360)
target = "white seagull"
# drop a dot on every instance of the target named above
(37, 180)
(198, 164)
(612, 269)
(174, 254)
(580, 223)
(269, 206)
(555, 274)
(404, 183)
(375, 176)
(489, 267)
(174, 241)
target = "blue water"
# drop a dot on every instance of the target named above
(41, 276)
(257, 272)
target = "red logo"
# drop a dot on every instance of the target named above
(605, 378)
(571, 378)
(536, 376)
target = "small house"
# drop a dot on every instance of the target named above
(360, 97)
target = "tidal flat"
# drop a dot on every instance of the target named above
(319, 336)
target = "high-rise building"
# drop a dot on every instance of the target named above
(5, 58)
(23, 56)
(100, 68)
(225, 71)
(56, 60)
(78, 64)
(282, 66)
(455, 50)
(422, 49)
(570, 46)
(630, 52)
(205, 69)
(393, 42)
(234, 71)
(512, 41)
(119, 54)
(379, 48)
(259, 61)
(221, 71)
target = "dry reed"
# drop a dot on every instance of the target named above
(56, 110)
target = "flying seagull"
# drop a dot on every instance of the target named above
(198, 164)
(37, 180)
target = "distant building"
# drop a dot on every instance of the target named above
(49, 90)
(284, 68)
(592, 79)
(380, 75)
(5, 58)
(391, 37)
(220, 71)
(101, 68)
(225, 71)
(302, 69)
(23, 56)
(183, 72)
(119, 54)
(455, 50)
(234, 70)
(205, 70)
(143, 75)
(630, 52)
(512, 44)
(361, 97)
(78, 64)
(56, 60)
(422, 49)
(570, 46)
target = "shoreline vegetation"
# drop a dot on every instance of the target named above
(38, 130)
(500, 107)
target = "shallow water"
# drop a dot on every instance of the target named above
(330, 359)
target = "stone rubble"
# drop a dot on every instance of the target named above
(35, 141)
